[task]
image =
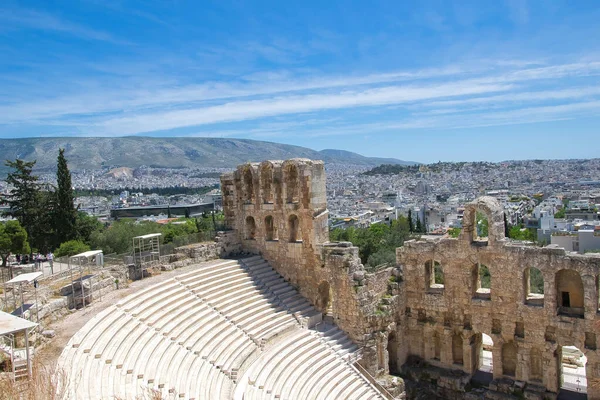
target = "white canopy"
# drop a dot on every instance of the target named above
(148, 236)
(11, 324)
(87, 254)
(25, 278)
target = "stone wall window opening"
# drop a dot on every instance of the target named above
(536, 365)
(437, 344)
(484, 361)
(572, 371)
(248, 187)
(457, 349)
(392, 349)
(250, 228)
(480, 222)
(266, 183)
(434, 276)
(324, 301)
(270, 228)
(481, 281)
(294, 229)
(292, 184)
(533, 286)
(509, 359)
(569, 293)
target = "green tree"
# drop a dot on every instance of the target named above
(71, 247)
(13, 240)
(418, 226)
(23, 196)
(411, 225)
(85, 225)
(65, 214)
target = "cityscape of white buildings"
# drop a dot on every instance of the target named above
(532, 192)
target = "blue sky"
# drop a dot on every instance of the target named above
(416, 80)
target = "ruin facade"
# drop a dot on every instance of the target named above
(433, 304)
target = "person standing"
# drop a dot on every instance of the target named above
(50, 258)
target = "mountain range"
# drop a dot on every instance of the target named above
(96, 153)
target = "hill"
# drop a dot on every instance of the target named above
(132, 152)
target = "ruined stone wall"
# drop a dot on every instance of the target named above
(279, 209)
(443, 322)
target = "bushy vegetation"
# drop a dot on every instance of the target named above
(47, 220)
(376, 244)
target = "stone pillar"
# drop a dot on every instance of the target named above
(592, 373)
(446, 353)
(551, 366)
(469, 347)
(497, 358)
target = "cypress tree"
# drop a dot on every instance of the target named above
(419, 228)
(411, 225)
(65, 214)
(24, 195)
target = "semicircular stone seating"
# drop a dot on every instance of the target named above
(231, 329)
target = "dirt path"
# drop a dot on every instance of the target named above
(65, 328)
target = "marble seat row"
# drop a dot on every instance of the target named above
(197, 336)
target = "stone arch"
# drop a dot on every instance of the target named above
(323, 302)
(270, 228)
(250, 228)
(392, 349)
(509, 358)
(569, 293)
(434, 275)
(494, 213)
(294, 228)
(292, 182)
(481, 352)
(481, 281)
(457, 349)
(536, 365)
(266, 182)
(248, 184)
(533, 286)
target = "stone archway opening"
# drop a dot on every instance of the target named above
(291, 184)
(533, 286)
(250, 228)
(572, 372)
(569, 293)
(486, 361)
(392, 349)
(324, 300)
(270, 228)
(509, 359)
(266, 183)
(248, 187)
(457, 349)
(481, 281)
(294, 228)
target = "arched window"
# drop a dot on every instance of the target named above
(533, 286)
(250, 228)
(294, 228)
(291, 184)
(248, 187)
(457, 349)
(392, 349)
(434, 276)
(481, 282)
(266, 182)
(536, 369)
(270, 228)
(509, 358)
(569, 293)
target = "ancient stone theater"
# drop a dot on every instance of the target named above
(294, 316)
